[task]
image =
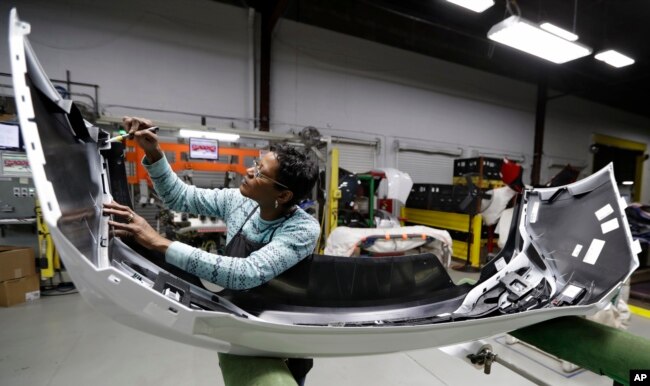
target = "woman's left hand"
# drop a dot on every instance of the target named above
(136, 227)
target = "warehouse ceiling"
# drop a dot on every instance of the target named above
(446, 31)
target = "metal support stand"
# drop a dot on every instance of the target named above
(485, 357)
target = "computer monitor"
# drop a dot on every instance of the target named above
(10, 136)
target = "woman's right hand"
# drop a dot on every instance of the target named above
(147, 140)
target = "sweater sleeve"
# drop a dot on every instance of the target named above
(292, 244)
(182, 197)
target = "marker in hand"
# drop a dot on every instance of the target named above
(120, 138)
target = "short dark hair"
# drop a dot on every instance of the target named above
(296, 170)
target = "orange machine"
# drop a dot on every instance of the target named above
(135, 154)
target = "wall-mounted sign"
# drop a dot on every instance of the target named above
(202, 148)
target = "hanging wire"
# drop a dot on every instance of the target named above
(513, 8)
(575, 15)
(492, 45)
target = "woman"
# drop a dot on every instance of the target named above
(267, 233)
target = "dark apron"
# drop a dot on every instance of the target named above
(240, 246)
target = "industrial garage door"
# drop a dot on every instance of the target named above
(426, 168)
(356, 158)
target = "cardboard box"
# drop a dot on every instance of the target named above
(18, 291)
(16, 262)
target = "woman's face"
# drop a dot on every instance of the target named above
(262, 188)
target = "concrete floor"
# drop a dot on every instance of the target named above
(62, 341)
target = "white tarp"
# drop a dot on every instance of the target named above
(494, 207)
(397, 183)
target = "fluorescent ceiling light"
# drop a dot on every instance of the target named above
(614, 58)
(526, 36)
(474, 5)
(628, 182)
(226, 137)
(559, 32)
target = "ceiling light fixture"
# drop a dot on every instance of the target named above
(628, 182)
(226, 137)
(526, 36)
(614, 58)
(552, 28)
(474, 5)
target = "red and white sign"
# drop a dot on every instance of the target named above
(15, 164)
(202, 148)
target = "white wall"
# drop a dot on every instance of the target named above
(186, 56)
(346, 84)
(192, 56)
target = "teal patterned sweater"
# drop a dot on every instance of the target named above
(294, 238)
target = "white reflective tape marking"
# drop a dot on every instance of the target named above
(623, 202)
(576, 250)
(571, 291)
(594, 251)
(609, 225)
(604, 212)
(533, 212)
(636, 247)
(500, 264)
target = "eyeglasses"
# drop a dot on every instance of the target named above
(258, 174)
